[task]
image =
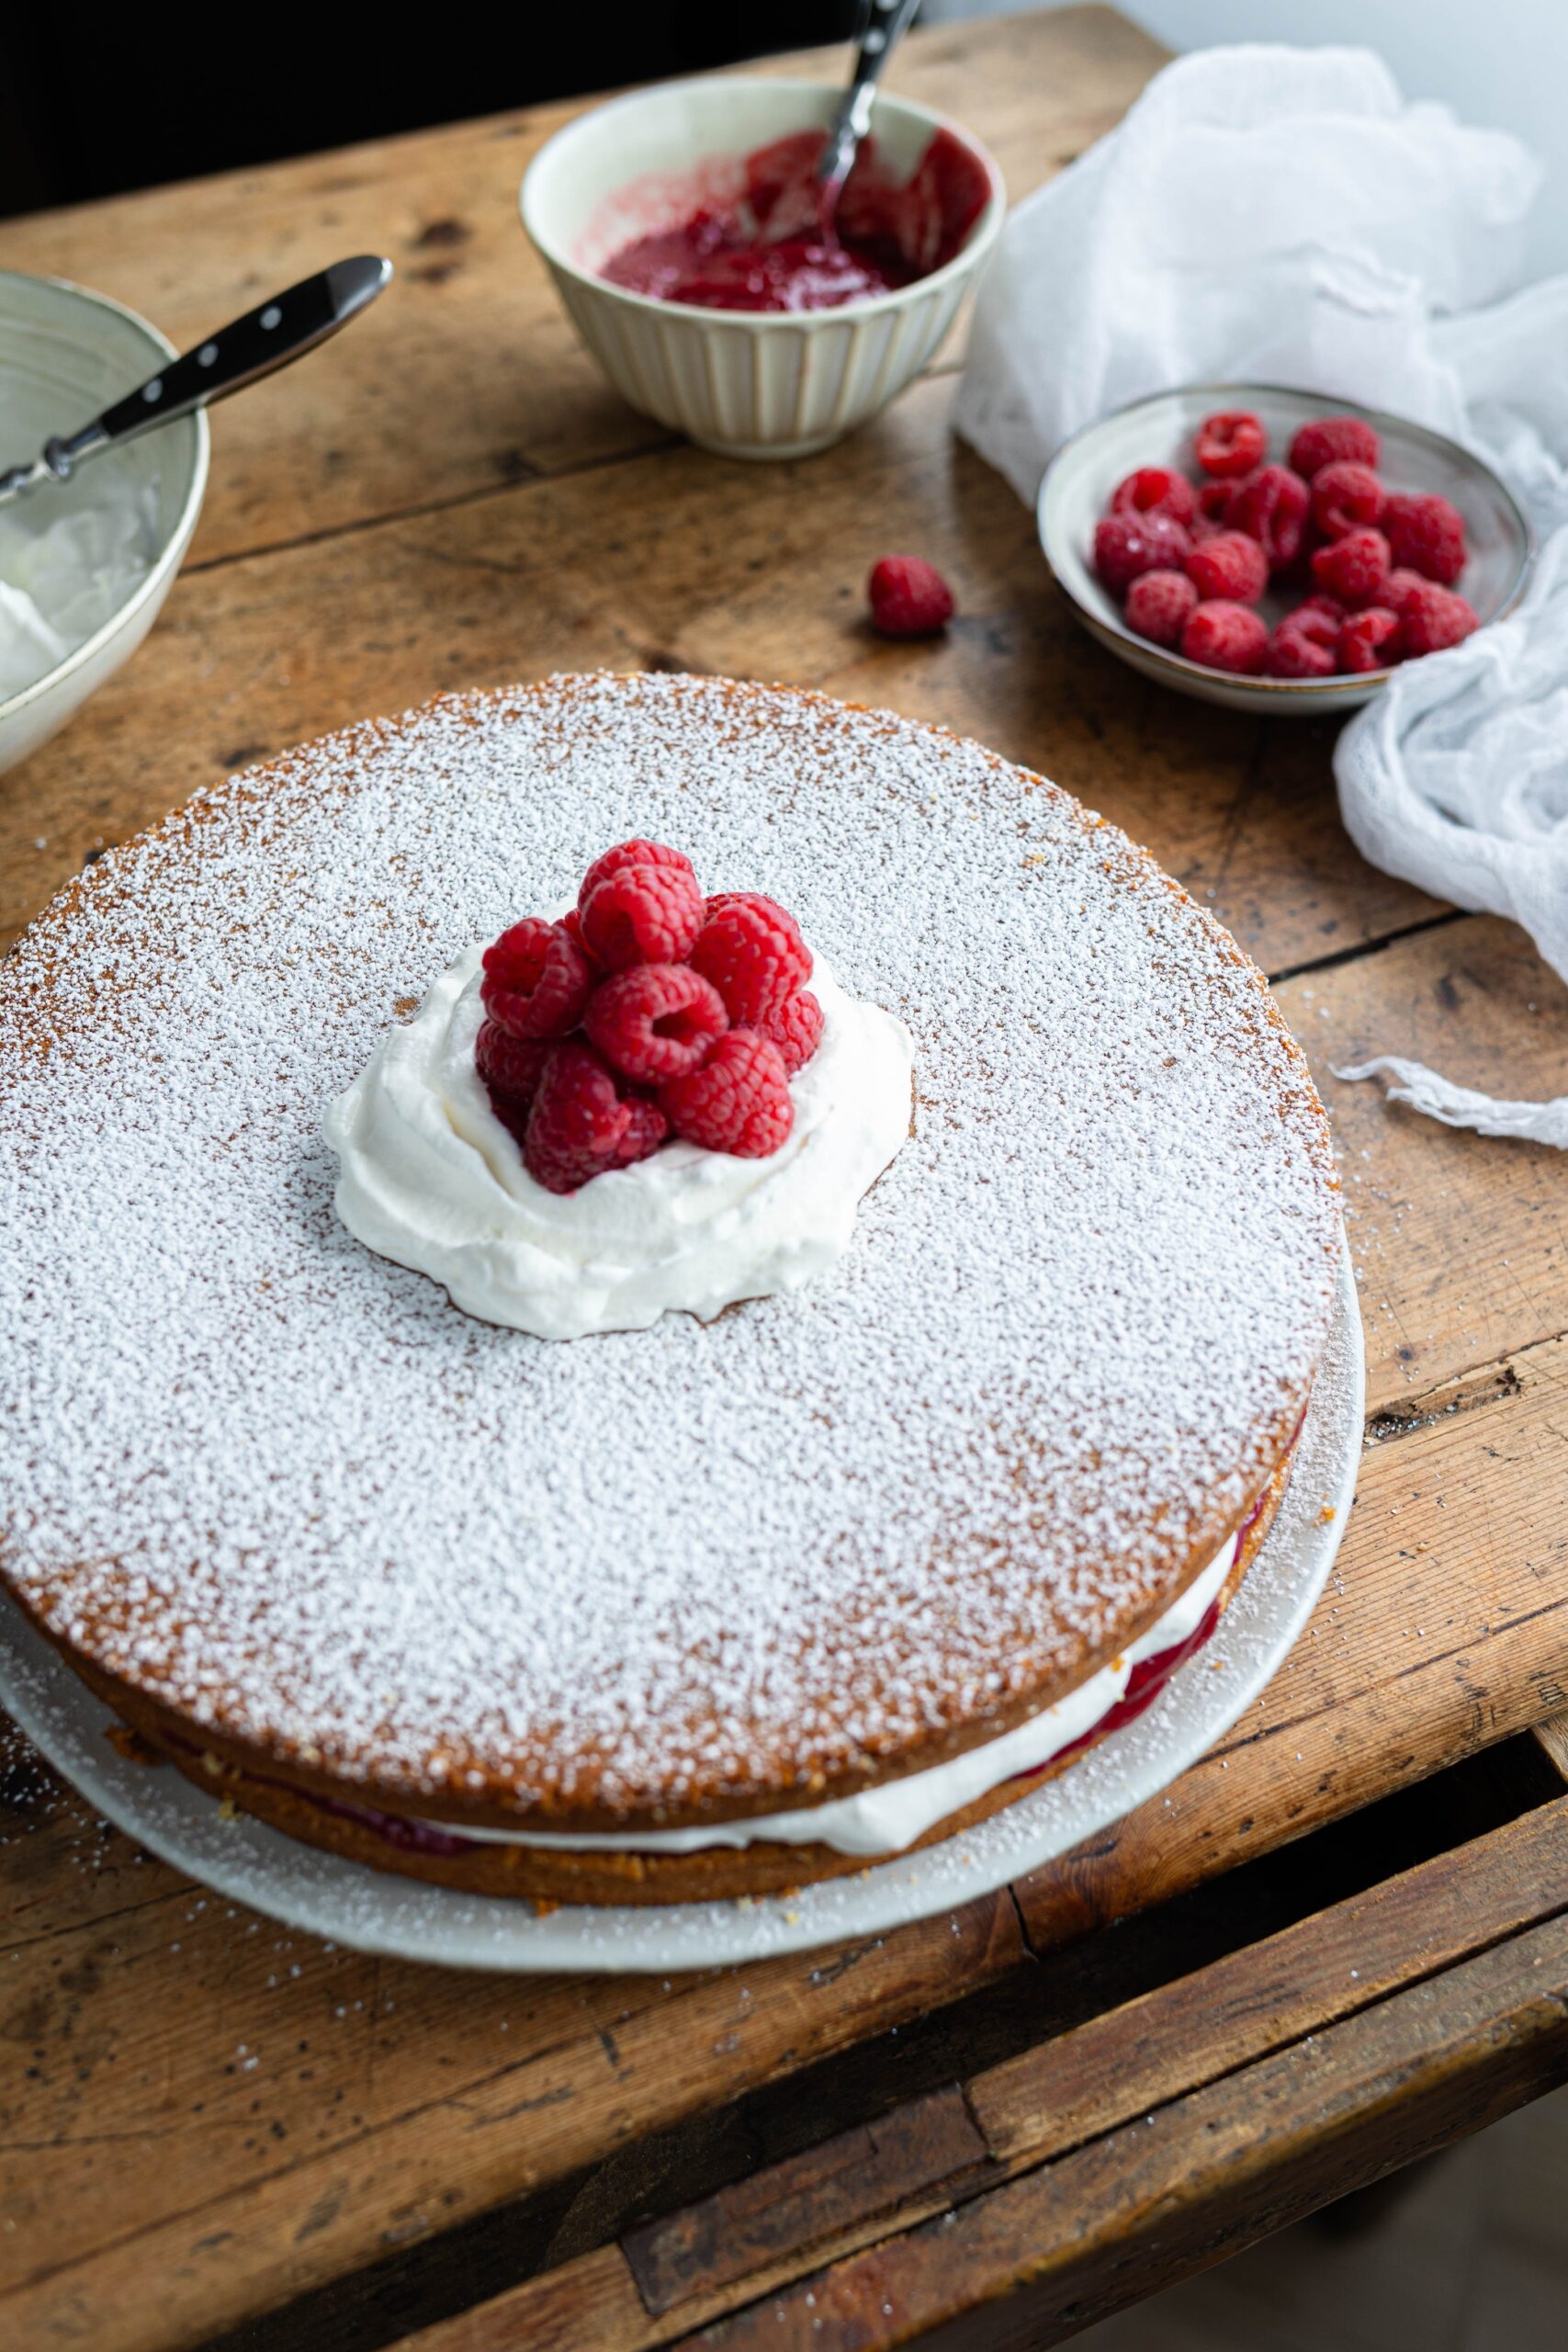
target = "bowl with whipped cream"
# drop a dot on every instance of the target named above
(681, 227)
(85, 564)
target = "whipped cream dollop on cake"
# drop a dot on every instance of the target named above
(636, 1103)
(432, 1178)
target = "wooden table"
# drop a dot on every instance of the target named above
(991, 2128)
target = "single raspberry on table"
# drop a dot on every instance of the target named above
(909, 596)
(639, 909)
(1271, 507)
(738, 1102)
(537, 980)
(1154, 489)
(1328, 438)
(1346, 497)
(1231, 442)
(1159, 604)
(1231, 564)
(655, 1020)
(1226, 637)
(1126, 544)
(1354, 568)
(647, 1128)
(1370, 639)
(1297, 651)
(795, 1029)
(1433, 619)
(752, 950)
(1425, 535)
(577, 1122)
(511, 1067)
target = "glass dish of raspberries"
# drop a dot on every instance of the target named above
(645, 1013)
(1285, 554)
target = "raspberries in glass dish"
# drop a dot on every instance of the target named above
(1190, 556)
(647, 1013)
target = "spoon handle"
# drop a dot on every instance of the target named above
(267, 338)
(881, 26)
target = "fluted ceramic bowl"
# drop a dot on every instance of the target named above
(64, 355)
(750, 384)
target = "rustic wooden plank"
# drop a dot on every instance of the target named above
(1031, 2262)
(1188, 2033)
(1552, 1739)
(310, 2108)
(1125, 2065)
(683, 561)
(1443, 1628)
(839, 2182)
(467, 375)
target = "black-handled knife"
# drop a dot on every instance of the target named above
(267, 338)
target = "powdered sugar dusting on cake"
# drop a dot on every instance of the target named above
(288, 1488)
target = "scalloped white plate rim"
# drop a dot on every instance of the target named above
(376, 1911)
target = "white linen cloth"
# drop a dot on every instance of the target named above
(1280, 214)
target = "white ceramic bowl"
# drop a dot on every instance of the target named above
(1158, 432)
(64, 355)
(763, 384)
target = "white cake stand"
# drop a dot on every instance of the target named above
(375, 1911)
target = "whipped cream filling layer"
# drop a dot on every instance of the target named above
(429, 1177)
(887, 1819)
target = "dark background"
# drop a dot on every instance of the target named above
(91, 107)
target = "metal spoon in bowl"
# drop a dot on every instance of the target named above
(800, 211)
(265, 339)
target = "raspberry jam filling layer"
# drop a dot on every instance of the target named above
(768, 249)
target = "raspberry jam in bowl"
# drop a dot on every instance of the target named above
(675, 224)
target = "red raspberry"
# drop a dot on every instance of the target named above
(795, 1029)
(642, 914)
(510, 1067)
(537, 980)
(571, 924)
(1154, 489)
(1434, 617)
(656, 1021)
(753, 953)
(738, 1102)
(1354, 568)
(1231, 565)
(1230, 443)
(1225, 637)
(1370, 639)
(1215, 497)
(908, 597)
(1320, 607)
(578, 1123)
(1126, 544)
(1345, 497)
(1270, 506)
(633, 852)
(1295, 651)
(647, 1128)
(1328, 438)
(1427, 534)
(1400, 581)
(1158, 606)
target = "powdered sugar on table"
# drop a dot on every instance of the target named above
(285, 1486)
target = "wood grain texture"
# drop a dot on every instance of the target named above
(381, 2101)
(1148, 2063)
(1552, 1739)
(1032, 2261)
(466, 375)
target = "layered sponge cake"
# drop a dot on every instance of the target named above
(740, 1597)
